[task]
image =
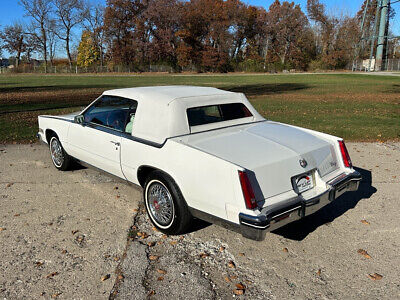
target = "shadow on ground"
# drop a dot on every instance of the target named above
(300, 229)
(267, 89)
(394, 89)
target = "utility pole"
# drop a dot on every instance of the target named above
(371, 54)
(362, 25)
(382, 33)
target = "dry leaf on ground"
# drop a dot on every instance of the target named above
(105, 277)
(375, 276)
(285, 249)
(161, 271)
(240, 286)
(51, 275)
(161, 278)
(55, 295)
(231, 264)
(364, 253)
(365, 222)
(204, 255)
(153, 257)
(238, 292)
(144, 235)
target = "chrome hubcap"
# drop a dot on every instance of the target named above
(160, 203)
(56, 152)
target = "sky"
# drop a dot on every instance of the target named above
(11, 11)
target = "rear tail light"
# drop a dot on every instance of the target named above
(345, 155)
(248, 192)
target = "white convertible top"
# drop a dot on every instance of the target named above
(161, 111)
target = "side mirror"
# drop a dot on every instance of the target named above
(79, 119)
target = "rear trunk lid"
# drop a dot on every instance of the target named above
(271, 152)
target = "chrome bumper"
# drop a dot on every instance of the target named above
(280, 214)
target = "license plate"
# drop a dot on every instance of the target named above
(304, 182)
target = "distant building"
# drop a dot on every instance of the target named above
(367, 65)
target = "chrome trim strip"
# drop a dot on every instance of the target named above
(254, 226)
(288, 211)
(57, 118)
(354, 176)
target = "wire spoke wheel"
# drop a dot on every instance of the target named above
(160, 203)
(56, 151)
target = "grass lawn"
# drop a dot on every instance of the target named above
(353, 106)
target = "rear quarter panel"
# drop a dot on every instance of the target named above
(207, 183)
(333, 140)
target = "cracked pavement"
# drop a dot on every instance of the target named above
(81, 234)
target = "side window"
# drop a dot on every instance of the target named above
(113, 112)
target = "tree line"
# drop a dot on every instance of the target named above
(201, 35)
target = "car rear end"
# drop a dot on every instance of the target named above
(310, 192)
(284, 173)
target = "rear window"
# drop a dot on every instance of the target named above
(217, 113)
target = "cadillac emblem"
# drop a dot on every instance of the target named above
(303, 162)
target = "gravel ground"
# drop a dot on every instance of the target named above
(80, 234)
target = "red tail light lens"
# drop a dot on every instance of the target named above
(248, 192)
(345, 155)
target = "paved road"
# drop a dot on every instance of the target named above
(62, 234)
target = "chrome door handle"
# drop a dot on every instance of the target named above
(115, 143)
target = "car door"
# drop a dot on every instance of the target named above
(97, 141)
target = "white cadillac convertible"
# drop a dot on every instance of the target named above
(205, 153)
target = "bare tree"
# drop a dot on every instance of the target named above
(39, 11)
(94, 23)
(52, 39)
(14, 40)
(32, 45)
(70, 13)
(1, 46)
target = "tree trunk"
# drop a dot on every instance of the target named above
(44, 44)
(101, 56)
(67, 48)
